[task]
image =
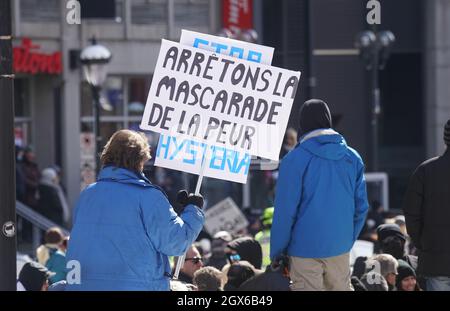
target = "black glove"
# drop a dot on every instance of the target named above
(280, 262)
(196, 200)
(184, 199)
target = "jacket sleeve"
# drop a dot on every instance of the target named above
(57, 264)
(361, 203)
(287, 200)
(412, 207)
(170, 234)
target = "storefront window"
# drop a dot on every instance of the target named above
(36, 11)
(22, 109)
(193, 13)
(137, 95)
(118, 92)
(149, 12)
(112, 99)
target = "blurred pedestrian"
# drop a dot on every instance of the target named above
(20, 175)
(358, 286)
(391, 240)
(320, 204)
(218, 257)
(406, 278)
(247, 248)
(124, 227)
(51, 254)
(33, 277)
(263, 236)
(192, 262)
(52, 201)
(208, 279)
(32, 177)
(427, 213)
(238, 273)
(274, 278)
(289, 142)
(386, 265)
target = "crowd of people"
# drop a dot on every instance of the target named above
(40, 190)
(127, 235)
(238, 263)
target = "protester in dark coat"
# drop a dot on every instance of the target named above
(218, 258)
(273, 279)
(52, 202)
(392, 241)
(33, 277)
(359, 267)
(32, 176)
(248, 249)
(238, 273)
(427, 213)
(20, 175)
(358, 286)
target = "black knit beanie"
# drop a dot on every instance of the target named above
(447, 133)
(404, 271)
(314, 114)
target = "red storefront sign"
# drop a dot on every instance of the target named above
(237, 15)
(27, 60)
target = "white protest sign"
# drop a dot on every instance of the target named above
(361, 249)
(235, 48)
(225, 216)
(238, 107)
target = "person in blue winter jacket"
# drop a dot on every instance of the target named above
(320, 204)
(125, 228)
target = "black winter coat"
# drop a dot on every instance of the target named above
(427, 213)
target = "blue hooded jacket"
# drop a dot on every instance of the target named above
(124, 230)
(321, 200)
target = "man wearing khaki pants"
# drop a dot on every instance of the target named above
(320, 204)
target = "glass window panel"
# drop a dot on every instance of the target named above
(40, 10)
(112, 97)
(21, 98)
(149, 12)
(138, 88)
(22, 133)
(193, 13)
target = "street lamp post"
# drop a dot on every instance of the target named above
(374, 48)
(94, 59)
(7, 161)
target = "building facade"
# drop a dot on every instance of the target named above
(54, 108)
(317, 37)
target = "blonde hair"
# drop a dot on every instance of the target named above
(126, 149)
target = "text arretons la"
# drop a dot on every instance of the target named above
(231, 103)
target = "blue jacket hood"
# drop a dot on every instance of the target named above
(327, 146)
